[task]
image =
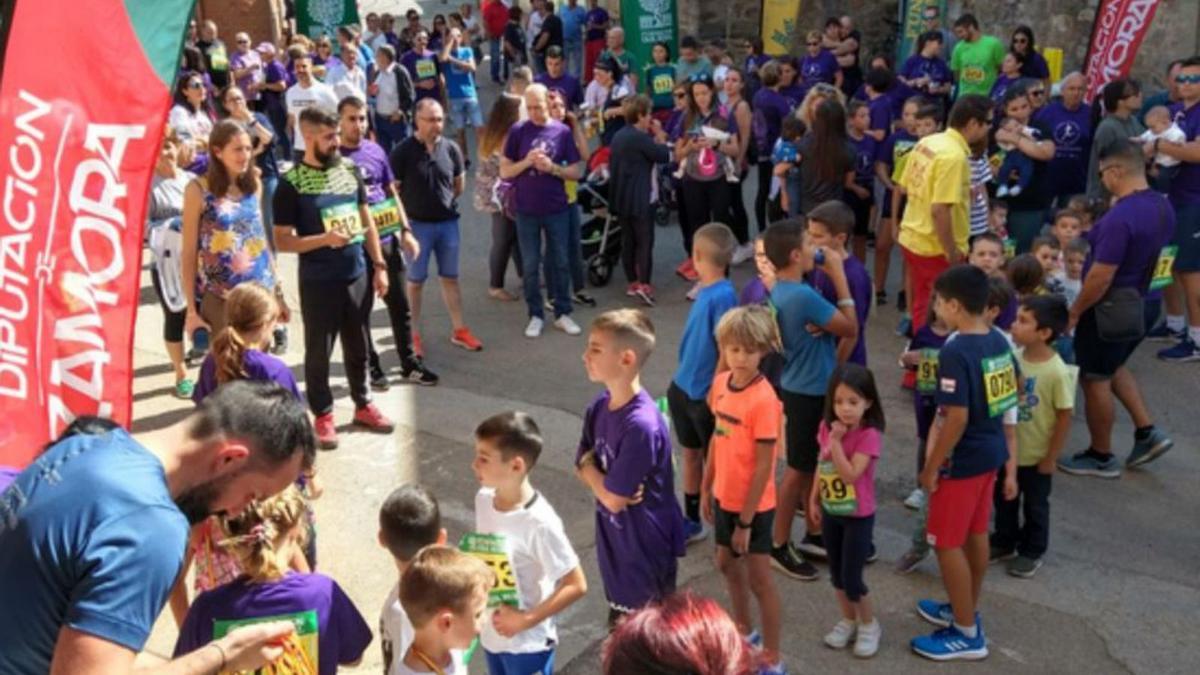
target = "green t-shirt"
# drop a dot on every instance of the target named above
(1046, 388)
(659, 83)
(626, 61)
(976, 64)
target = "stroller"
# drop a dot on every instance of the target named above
(600, 234)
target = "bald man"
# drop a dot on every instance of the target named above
(616, 49)
(1070, 122)
(216, 58)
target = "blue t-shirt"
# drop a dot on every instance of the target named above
(89, 538)
(979, 373)
(573, 20)
(698, 346)
(809, 359)
(460, 82)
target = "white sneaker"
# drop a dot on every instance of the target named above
(1014, 191)
(743, 253)
(867, 642)
(1002, 191)
(691, 295)
(534, 329)
(567, 325)
(915, 499)
(840, 636)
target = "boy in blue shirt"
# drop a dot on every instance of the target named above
(977, 384)
(809, 361)
(712, 250)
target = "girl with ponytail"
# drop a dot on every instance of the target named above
(240, 350)
(266, 538)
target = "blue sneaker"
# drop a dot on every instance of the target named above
(1083, 464)
(694, 530)
(1161, 333)
(1150, 449)
(777, 669)
(936, 613)
(904, 328)
(948, 644)
(1183, 352)
(755, 639)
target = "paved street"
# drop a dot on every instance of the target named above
(1118, 593)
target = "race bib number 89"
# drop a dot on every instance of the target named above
(837, 498)
(1000, 384)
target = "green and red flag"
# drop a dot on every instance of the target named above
(84, 92)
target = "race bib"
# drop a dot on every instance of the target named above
(973, 75)
(927, 369)
(386, 215)
(1010, 248)
(1164, 268)
(491, 549)
(837, 498)
(219, 59)
(299, 649)
(1000, 384)
(426, 69)
(663, 84)
(343, 218)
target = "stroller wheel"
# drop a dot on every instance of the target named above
(599, 271)
(662, 215)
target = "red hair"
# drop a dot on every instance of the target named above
(685, 634)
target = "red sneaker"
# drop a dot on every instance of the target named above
(632, 290)
(685, 268)
(418, 349)
(369, 416)
(462, 337)
(326, 432)
(645, 293)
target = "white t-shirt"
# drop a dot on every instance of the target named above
(540, 554)
(298, 99)
(346, 82)
(1173, 134)
(536, 19)
(190, 125)
(396, 634)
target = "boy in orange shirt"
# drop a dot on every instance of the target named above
(737, 494)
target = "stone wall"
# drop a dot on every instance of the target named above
(262, 19)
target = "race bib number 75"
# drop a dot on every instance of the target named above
(1000, 384)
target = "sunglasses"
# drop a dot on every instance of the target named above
(195, 84)
(680, 94)
(1187, 79)
(1037, 92)
(243, 42)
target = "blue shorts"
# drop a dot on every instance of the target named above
(439, 240)
(1187, 238)
(507, 663)
(465, 112)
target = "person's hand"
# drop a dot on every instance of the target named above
(862, 192)
(638, 496)
(929, 479)
(1072, 320)
(1047, 466)
(837, 430)
(835, 262)
(410, 246)
(911, 358)
(543, 163)
(1010, 487)
(508, 621)
(740, 542)
(193, 321)
(381, 282)
(812, 514)
(336, 239)
(707, 513)
(285, 312)
(531, 157)
(252, 647)
(954, 256)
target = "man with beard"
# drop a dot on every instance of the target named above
(92, 534)
(321, 213)
(395, 238)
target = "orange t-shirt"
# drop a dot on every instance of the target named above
(745, 417)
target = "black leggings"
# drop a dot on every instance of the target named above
(637, 247)
(848, 543)
(172, 321)
(739, 221)
(504, 247)
(398, 310)
(763, 195)
(707, 202)
(331, 309)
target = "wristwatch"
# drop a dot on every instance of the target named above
(743, 526)
(380, 265)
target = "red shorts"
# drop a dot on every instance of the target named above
(959, 506)
(924, 270)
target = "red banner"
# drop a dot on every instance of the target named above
(1117, 33)
(83, 101)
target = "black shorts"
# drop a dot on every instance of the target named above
(761, 529)
(886, 207)
(692, 420)
(803, 415)
(862, 213)
(1099, 359)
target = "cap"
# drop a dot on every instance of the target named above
(265, 48)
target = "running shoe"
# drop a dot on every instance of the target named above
(1161, 333)
(998, 554)
(645, 293)
(581, 298)
(326, 432)
(812, 546)
(1184, 352)
(462, 337)
(841, 635)
(534, 328)
(417, 373)
(184, 389)
(789, 561)
(567, 325)
(936, 613)
(911, 558)
(694, 530)
(1023, 567)
(371, 419)
(915, 499)
(1150, 449)
(880, 298)
(379, 380)
(1084, 464)
(867, 642)
(949, 644)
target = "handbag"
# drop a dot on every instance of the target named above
(1121, 313)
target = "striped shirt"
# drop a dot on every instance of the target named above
(981, 174)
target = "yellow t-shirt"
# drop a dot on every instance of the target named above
(936, 172)
(1046, 388)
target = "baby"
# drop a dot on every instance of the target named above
(1163, 130)
(1017, 169)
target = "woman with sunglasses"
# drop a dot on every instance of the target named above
(437, 36)
(1034, 64)
(819, 64)
(1027, 210)
(1119, 102)
(741, 119)
(191, 118)
(322, 57)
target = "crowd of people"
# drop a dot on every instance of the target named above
(1042, 240)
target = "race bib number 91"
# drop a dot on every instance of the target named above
(1000, 384)
(927, 369)
(343, 218)
(491, 549)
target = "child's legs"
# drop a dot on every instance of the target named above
(1035, 495)
(803, 415)
(762, 584)
(959, 511)
(855, 546)
(1008, 526)
(792, 185)
(693, 423)
(833, 532)
(1024, 168)
(920, 535)
(733, 568)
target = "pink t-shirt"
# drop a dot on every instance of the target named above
(837, 498)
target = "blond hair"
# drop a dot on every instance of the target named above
(248, 307)
(719, 242)
(631, 329)
(259, 534)
(440, 577)
(752, 328)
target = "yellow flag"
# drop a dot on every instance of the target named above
(779, 25)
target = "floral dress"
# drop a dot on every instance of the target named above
(233, 244)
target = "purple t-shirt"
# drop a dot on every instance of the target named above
(935, 68)
(636, 548)
(881, 113)
(372, 163)
(794, 94)
(895, 146)
(1000, 88)
(1131, 236)
(596, 16)
(865, 150)
(259, 367)
(274, 72)
(566, 85)
(1185, 186)
(770, 109)
(423, 67)
(820, 68)
(754, 293)
(538, 193)
(1008, 315)
(342, 634)
(1072, 135)
(860, 289)
(237, 61)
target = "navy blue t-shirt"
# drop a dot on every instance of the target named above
(698, 346)
(978, 372)
(313, 201)
(1071, 131)
(89, 538)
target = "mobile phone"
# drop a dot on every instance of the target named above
(819, 257)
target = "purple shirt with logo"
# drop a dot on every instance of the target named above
(1131, 236)
(238, 61)
(566, 85)
(861, 290)
(1071, 131)
(637, 549)
(935, 68)
(423, 67)
(1185, 186)
(865, 150)
(770, 109)
(881, 113)
(372, 163)
(539, 193)
(259, 367)
(820, 68)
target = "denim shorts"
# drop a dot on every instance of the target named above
(438, 240)
(465, 112)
